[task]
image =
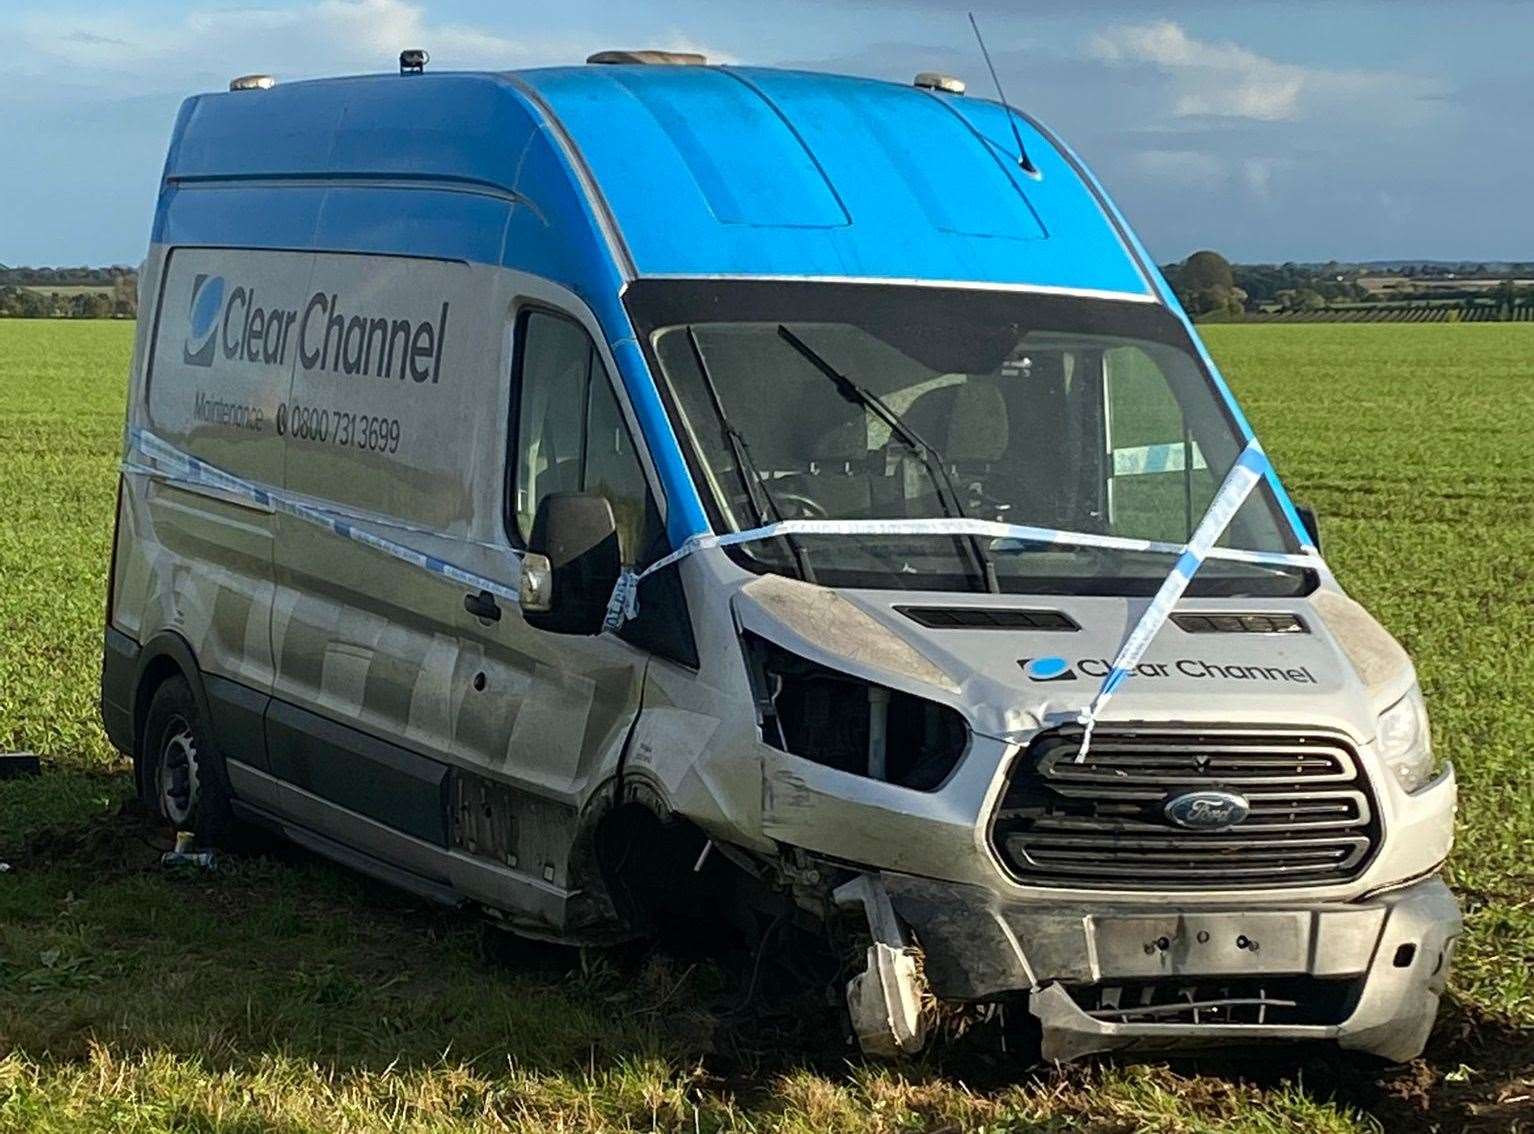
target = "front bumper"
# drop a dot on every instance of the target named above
(1379, 964)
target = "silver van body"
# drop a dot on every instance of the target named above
(349, 452)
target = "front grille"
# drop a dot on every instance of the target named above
(1101, 824)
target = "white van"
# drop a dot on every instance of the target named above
(601, 495)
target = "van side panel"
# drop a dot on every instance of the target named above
(394, 426)
(199, 562)
(223, 357)
(239, 216)
(387, 410)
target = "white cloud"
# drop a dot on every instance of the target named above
(1221, 79)
(1209, 78)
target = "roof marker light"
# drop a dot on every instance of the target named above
(672, 58)
(937, 81)
(412, 61)
(252, 83)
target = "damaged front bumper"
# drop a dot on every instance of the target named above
(1366, 975)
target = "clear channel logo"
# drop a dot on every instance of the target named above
(202, 320)
(1047, 669)
(325, 334)
(1061, 669)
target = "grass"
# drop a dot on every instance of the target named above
(281, 993)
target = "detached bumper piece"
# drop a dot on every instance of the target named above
(885, 999)
(1366, 975)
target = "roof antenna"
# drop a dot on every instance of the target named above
(1022, 154)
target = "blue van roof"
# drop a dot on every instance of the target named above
(701, 170)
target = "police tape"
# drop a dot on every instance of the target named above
(177, 466)
(1249, 468)
(624, 602)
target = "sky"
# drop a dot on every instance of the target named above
(1349, 130)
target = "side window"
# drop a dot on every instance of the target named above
(571, 436)
(1159, 481)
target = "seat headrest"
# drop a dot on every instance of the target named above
(966, 421)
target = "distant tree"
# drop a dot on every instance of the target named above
(1204, 283)
(1301, 299)
(34, 304)
(1205, 269)
(90, 305)
(125, 294)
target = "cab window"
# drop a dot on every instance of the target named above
(1159, 481)
(569, 434)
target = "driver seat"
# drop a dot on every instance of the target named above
(966, 422)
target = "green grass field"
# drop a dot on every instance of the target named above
(281, 993)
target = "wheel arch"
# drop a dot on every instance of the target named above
(163, 657)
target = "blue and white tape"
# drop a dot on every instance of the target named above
(624, 602)
(1249, 468)
(180, 467)
(1141, 460)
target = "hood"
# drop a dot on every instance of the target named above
(1014, 663)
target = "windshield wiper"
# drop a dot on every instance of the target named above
(750, 476)
(947, 495)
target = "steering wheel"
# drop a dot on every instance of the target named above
(796, 506)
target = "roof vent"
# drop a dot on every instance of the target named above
(252, 83)
(413, 60)
(671, 58)
(937, 81)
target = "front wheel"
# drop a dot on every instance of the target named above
(183, 777)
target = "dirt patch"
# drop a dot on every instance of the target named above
(1477, 1074)
(122, 843)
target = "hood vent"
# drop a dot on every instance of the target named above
(987, 618)
(1241, 623)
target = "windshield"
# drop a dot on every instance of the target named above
(858, 401)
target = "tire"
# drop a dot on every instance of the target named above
(183, 778)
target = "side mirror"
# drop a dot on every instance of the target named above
(1311, 522)
(576, 534)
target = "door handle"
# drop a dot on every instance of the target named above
(482, 605)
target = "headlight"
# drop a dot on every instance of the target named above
(843, 722)
(1404, 741)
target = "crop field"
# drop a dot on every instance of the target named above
(70, 289)
(279, 992)
(1420, 311)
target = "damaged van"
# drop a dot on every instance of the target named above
(649, 493)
